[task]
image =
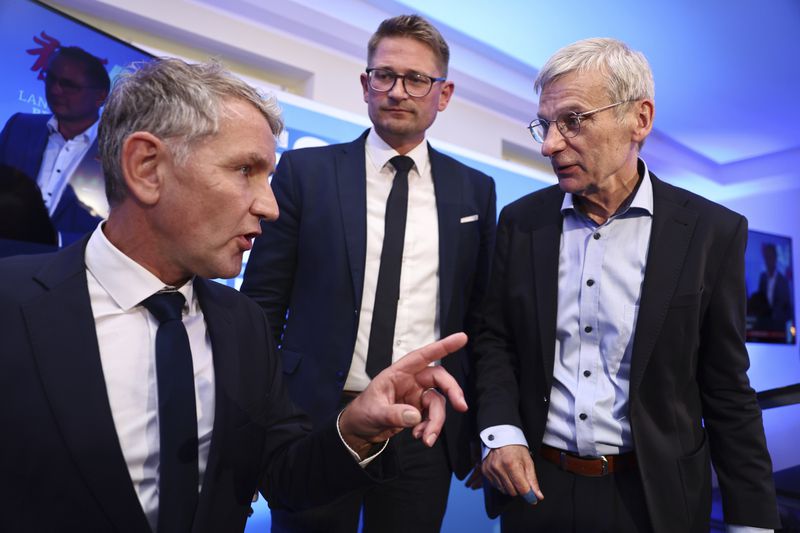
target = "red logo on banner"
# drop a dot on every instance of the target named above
(48, 45)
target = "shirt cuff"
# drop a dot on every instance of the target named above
(499, 436)
(361, 462)
(730, 528)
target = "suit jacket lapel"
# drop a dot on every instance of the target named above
(545, 245)
(448, 183)
(671, 233)
(68, 359)
(352, 185)
(227, 379)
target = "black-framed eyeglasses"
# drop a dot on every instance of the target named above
(415, 84)
(67, 85)
(569, 124)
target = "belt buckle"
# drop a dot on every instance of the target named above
(604, 468)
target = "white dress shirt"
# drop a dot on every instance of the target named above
(126, 335)
(60, 159)
(417, 321)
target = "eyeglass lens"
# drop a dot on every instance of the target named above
(383, 80)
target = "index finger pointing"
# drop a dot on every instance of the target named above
(417, 360)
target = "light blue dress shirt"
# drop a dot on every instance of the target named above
(600, 273)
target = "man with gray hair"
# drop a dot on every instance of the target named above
(612, 366)
(138, 395)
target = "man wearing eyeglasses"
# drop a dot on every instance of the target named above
(373, 253)
(612, 365)
(59, 151)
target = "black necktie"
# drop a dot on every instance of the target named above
(177, 416)
(387, 291)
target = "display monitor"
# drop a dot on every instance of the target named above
(770, 289)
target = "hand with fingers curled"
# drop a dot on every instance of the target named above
(510, 469)
(410, 393)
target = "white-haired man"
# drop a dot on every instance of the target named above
(612, 366)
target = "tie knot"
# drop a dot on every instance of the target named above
(402, 163)
(165, 306)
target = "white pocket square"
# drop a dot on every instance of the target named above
(471, 218)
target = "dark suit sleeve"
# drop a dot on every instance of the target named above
(488, 221)
(731, 413)
(474, 311)
(269, 276)
(496, 356)
(300, 468)
(5, 140)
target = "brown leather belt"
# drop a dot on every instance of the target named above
(589, 466)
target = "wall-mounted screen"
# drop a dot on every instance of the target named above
(769, 273)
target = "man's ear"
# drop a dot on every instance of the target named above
(644, 113)
(101, 99)
(365, 86)
(448, 88)
(143, 158)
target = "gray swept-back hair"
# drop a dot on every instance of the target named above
(178, 102)
(413, 27)
(626, 71)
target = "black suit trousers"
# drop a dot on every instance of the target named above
(415, 501)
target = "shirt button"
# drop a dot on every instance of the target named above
(397, 343)
(586, 373)
(490, 437)
(596, 236)
(582, 416)
(588, 329)
(590, 282)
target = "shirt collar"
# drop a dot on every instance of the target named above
(379, 153)
(642, 200)
(126, 281)
(88, 135)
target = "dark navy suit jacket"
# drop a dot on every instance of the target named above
(307, 271)
(61, 464)
(22, 144)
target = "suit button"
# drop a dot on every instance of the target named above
(582, 416)
(544, 399)
(588, 329)
(339, 376)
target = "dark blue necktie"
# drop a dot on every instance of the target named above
(177, 416)
(387, 291)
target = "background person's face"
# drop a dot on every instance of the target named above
(69, 91)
